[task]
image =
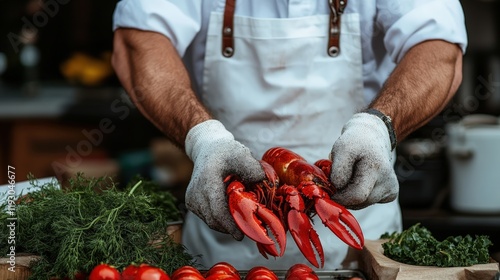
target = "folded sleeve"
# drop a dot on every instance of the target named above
(408, 23)
(179, 20)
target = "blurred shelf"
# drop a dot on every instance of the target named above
(56, 100)
(447, 218)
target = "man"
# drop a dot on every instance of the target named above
(226, 81)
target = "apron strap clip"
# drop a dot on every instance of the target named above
(228, 29)
(337, 8)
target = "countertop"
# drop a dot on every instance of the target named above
(53, 100)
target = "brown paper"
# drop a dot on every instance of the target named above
(377, 266)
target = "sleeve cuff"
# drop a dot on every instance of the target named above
(436, 20)
(203, 133)
(179, 22)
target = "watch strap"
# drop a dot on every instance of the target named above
(388, 123)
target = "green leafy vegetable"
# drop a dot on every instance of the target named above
(160, 197)
(91, 222)
(417, 246)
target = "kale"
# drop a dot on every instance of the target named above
(417, 246)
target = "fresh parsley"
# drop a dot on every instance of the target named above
(417, 246)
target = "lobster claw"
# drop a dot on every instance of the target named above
(332, 214)
(335, 216)
(301, 228)
(253, 218)
(324, 207)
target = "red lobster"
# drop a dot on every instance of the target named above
(293, 192)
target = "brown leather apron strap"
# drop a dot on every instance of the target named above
(336, 9)
(227, 29)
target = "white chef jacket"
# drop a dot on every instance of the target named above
(389, 27)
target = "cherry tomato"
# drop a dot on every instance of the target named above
(104, 272)
(187, 273)
(223, 268)
(222, 277)
(188, 276)
(300, 272)
(261, 273)
(147, 272)
(130, 272)
(297, 267)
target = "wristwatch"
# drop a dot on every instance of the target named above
(388, 123)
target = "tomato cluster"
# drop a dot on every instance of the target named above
(223, 270)
(219, 271)
(131, 272)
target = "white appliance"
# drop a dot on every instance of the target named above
(474, 156)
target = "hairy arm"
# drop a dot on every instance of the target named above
(152, 73)
(421, 85)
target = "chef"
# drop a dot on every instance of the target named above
(347, 79)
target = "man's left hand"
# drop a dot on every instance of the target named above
(362, 170)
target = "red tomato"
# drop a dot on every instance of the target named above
(300, 272)
(261, 273)
(296, 268)
(186, 270)
(303, 276)
(147, 272)
(130, 272)
(188, 276)
(223, 268)
(222, 277)
(187, 273)
(104, 272)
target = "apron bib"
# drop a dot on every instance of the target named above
(280, 87)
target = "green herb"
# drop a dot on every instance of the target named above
(417, 246)
(92, 222)
(160, 197)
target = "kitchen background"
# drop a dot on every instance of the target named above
(63, 111)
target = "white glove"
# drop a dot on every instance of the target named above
(362, 171)
(215, 155)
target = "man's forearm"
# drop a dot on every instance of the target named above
(155, 78)
(421, 85)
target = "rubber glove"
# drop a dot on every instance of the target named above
(215, 155)
(362, 169)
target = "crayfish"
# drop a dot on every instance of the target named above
(292, 193)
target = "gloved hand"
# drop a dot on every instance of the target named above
(362, 171)
(215, 155)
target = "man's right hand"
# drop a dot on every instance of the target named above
(216, 155)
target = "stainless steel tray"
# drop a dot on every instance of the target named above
(323, 274)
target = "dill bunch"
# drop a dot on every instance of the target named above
(91, 222)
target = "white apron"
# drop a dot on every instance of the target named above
(281, 88)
